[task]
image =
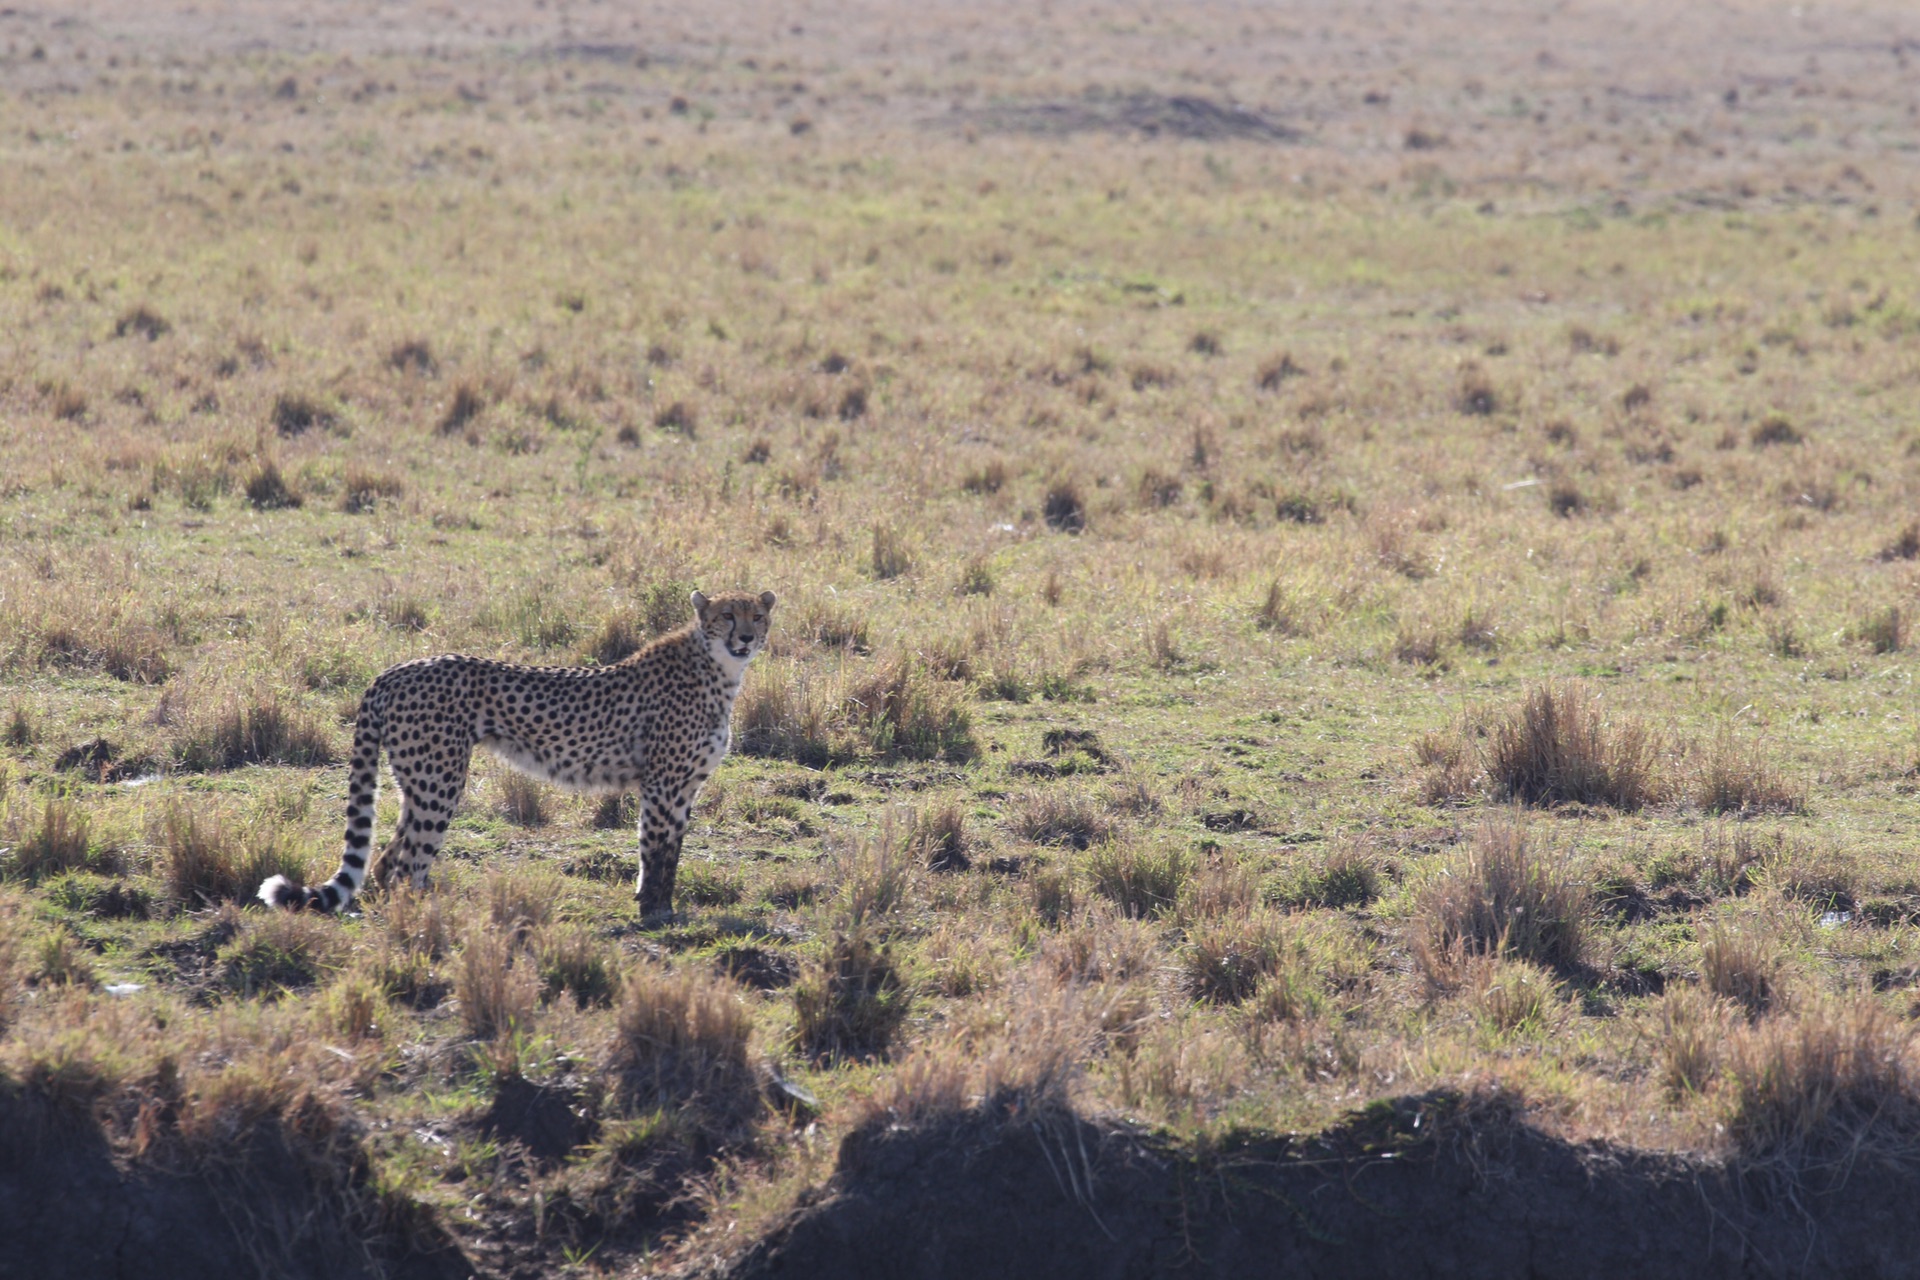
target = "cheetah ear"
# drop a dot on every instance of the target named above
(766, 599)
(700, 604)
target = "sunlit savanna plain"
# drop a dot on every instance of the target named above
(1323, 556)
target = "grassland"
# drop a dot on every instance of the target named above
(1409, 587)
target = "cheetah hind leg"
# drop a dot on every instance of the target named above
(424, 814)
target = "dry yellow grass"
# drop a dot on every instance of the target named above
(1184, 534)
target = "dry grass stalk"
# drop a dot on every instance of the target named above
(1499, 896)
(1561, 747)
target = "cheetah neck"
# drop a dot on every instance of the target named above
(730, 667)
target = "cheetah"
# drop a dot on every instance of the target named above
(658, 721)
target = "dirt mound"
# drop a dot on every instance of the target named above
(1151, 114)
(1426, 1186)
(549, 1120)
(70, 1207)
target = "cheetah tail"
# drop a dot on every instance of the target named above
(363, 780)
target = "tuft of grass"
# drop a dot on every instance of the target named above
(1840, 1079)
(496, 985)
(60, 959)
(785, 712)
(1560, 746)
(1275, 371)
(1477, 396)
(1775, 429)
(680, 418)
(1142, 880)
(363, 488)
(61, 840)
(892, 558)
(1741, 966)
(1883, 630)
(1449, 764)
(141, 321)
(257, 727)
(1499, 897)
(296, 413)
(523, 800)
(280, 951)
(268, 490)
(1349, 876)
(681, 1044)
(1905, 544)
(940, 839)
(1513, 997)
(1692, 1032)
(467, 404)
(572, 961)
(205, 860)
(1063, 818)
(851, 1001)
(904, 712)
(1225, 957)
(1733, 779)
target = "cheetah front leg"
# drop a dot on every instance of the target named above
(663, 825)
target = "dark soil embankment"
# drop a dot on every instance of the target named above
(1415, 1188)
(71, 1206)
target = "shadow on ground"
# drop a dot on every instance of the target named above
(1427, 1186)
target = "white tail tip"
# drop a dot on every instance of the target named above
(275, 890)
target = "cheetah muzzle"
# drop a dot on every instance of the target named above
(658, 723)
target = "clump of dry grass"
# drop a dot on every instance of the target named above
(681, 1045)
(1499, 896)
(204, 859)
(892, 557)
(1449, 761)
(876, 875)
(1068, 818)
(1349, 875)
(1064, 508)
(1691, 1033)
(1839, 1079)
(256, 727)
(73, 633)
(940, 839)
(1225, 957)
(523, 800)
(1560, 746)
(851, 1000)
(1741, 965)
(268, 490)
(1142, 879)
(572, 960)
(1733, 779)
(60, 840)
(520, 902)
(296, 413)
(495, 984)
(60, 959)
(363, 488)
(1883, 630)
(903, 712)
(1512, 997)
(280, 951)
(467, 404)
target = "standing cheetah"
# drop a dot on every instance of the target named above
(658, 721)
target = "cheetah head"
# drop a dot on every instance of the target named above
(735, 624)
